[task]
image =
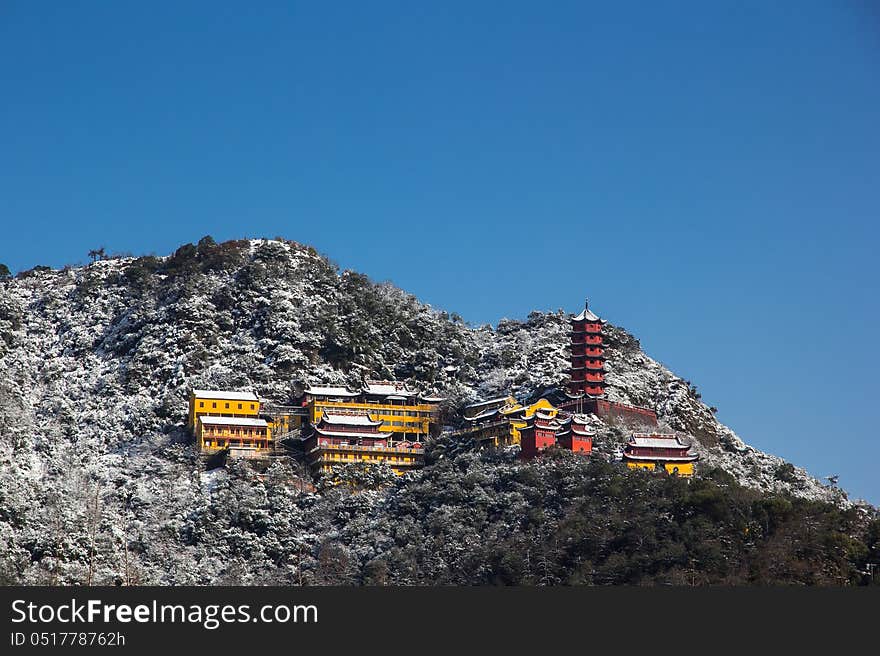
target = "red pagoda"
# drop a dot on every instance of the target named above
(587, 356)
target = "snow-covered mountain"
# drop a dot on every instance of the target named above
(96, 362)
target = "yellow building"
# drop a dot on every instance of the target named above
(655, 450)
(353, 436)
(498, 421)
(222, 403)
(404, 412)
(240, 435)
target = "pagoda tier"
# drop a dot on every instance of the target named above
(588, 353)
(585, 338)
(578, 328)
(595, 349)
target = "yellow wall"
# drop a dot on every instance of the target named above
(221, 407)
(208, 442)
(399, 462)
(516, 426)
(684, 468)
(420, 419)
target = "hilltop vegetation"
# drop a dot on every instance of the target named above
(99, 481)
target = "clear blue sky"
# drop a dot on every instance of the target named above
(708, 173)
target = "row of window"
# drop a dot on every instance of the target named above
(408, 424)
(224, 443)
(381, 458)
(211, 430)
(226, 405)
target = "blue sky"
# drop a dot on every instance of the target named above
(708, 173)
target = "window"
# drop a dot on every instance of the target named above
(252, 406)
(213, 405)
(239, 406)
(201, 404)
(227, 406)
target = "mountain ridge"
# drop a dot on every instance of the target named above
(96, 362)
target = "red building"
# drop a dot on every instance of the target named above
(587, 356)
(543, 430)
(576, 436)
(538, 435)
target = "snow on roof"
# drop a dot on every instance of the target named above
(350, 419)
(388, 388)
(657, 441)
(586, 315)
(482, 415)
(433, 399)
(500, 399)
(212, 420)
(329, 390)
(225, 395)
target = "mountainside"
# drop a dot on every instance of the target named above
(98, 472)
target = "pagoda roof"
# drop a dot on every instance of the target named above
(433, 399)
(224, 395)
(583, 433)
(212, 420)
(587, 315)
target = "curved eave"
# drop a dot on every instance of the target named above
(350, 435)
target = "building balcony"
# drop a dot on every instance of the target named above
(362, 448)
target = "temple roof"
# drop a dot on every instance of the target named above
(211, 420)
(329, 390)
(483, 415)
(587, 315)
(500, 399)
(225, 395)
(388, 388)
(657, 440)
(351, 435)
(350, 419)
